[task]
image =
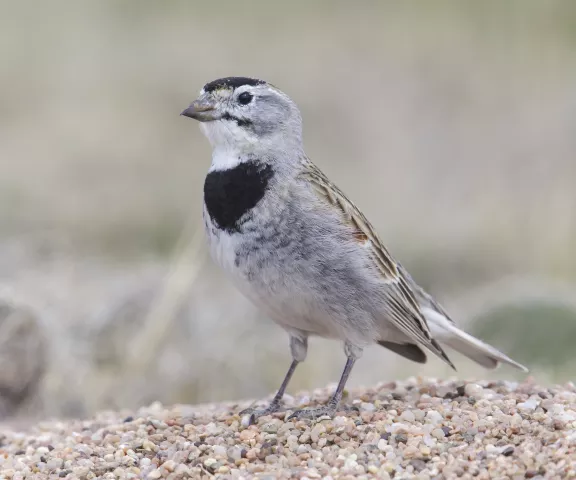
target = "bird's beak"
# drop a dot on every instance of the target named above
(202, 109)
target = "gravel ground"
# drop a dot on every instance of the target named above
(420, 428)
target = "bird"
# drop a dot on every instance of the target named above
(294, 244)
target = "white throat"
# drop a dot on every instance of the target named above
(231, 144)
(225, 158)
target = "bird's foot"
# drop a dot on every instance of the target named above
(315, 413)
(256, 413)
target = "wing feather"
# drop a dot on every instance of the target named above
(424, 298)
(404, 308)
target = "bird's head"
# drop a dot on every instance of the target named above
(246, 115)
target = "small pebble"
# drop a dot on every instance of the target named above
(530, 404)
(247, 435)
(473, 390)
(318, 430)
(401, 438)
(438, 433)
(54, 463)
(219, 450)
(169, 465)
(408, 416)
(235, 453)
(155, 474)
(271, 427)
(418, 464)
(367, 407)
(419, 414)
(434, 417)
(508, 451)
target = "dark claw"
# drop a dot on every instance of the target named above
(255, 413)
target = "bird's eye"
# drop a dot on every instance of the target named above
(245, 98)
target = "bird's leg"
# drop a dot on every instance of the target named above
(353, 353)
(298, 347)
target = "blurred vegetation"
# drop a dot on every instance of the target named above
(450, 123)
(537, 333)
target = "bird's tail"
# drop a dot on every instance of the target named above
(449, 334)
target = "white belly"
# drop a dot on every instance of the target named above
(283, 289)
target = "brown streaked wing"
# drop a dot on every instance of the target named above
(404, 308)
(423, 297)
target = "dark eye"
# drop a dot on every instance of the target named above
(245, 98)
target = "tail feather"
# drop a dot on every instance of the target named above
(447, 333)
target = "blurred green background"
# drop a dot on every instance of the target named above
(452, 124)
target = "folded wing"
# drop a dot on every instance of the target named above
(404, 310)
